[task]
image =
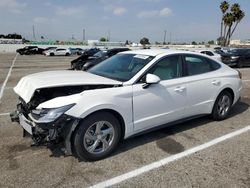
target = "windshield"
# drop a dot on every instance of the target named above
(121, 67)
(100, 54)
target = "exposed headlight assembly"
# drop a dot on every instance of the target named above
(235, 57)
(48, 115)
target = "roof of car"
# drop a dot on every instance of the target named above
(154, 52)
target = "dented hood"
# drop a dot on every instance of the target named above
(29, 84)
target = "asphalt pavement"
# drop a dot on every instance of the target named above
(225, 164)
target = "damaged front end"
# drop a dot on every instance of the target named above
(50, 125)
(46, 126)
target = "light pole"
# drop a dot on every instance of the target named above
(164, 41)
(83, 35)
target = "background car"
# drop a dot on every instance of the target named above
(49, 48)
(211, 53)
(76, 64)
(30, 50)
(58, 52)
(76, 51)
(237, 57)
(98, 57)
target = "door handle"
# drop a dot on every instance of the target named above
(216, 82)
(180, 89)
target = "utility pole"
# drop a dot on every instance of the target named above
(164, 41)
(83, 35)
(33, 30)
(170, 37)
(108, 38)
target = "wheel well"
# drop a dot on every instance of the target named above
(229, 90)
(116, 114)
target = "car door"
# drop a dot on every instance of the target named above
(247, 58)
(60, 52)
(163, 102)
(202, 84)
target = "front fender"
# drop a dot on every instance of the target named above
(118, 99)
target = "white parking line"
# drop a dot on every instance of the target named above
(246, 80)
(4, 114)
(167, 160)
(7, 77)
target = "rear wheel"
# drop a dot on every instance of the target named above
(239, 64)
(51, 54)
(222, 106)
(97, 136)
(67, 54)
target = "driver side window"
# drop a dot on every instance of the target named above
(168, 68)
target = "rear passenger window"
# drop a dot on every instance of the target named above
(198, 65)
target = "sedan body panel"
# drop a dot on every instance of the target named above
(160, 103)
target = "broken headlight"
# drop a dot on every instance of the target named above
(47, 115)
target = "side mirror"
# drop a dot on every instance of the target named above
(151, 79)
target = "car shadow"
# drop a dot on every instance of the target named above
(169, 130)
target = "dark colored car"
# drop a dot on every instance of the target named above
(76, 64)
(237, 57)
(101, 56)
(28, 50)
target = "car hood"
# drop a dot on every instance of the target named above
(29, 84)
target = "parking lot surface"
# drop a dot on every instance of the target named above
(226, 164)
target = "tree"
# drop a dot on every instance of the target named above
(144, 41)
(211, 42)
(103, 39)
(230, 20)
(194, 43)
(223, 7)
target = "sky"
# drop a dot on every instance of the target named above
(183, 20)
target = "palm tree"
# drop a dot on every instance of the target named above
(224, 6)
(237, 17)
(228, 22)
(235, 8)
(229, 18)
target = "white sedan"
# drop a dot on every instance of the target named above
(58, 52)
(129, 93)
(212, 54)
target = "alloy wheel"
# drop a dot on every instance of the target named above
(99, 137)
(224, 105)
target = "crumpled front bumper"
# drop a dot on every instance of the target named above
(57, 132)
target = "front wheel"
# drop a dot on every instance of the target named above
(222, 106)
(97, 136)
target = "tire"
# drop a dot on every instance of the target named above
(51, 54)
(67, 54)
(239, 64)
(89, 141)
(222, 106)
